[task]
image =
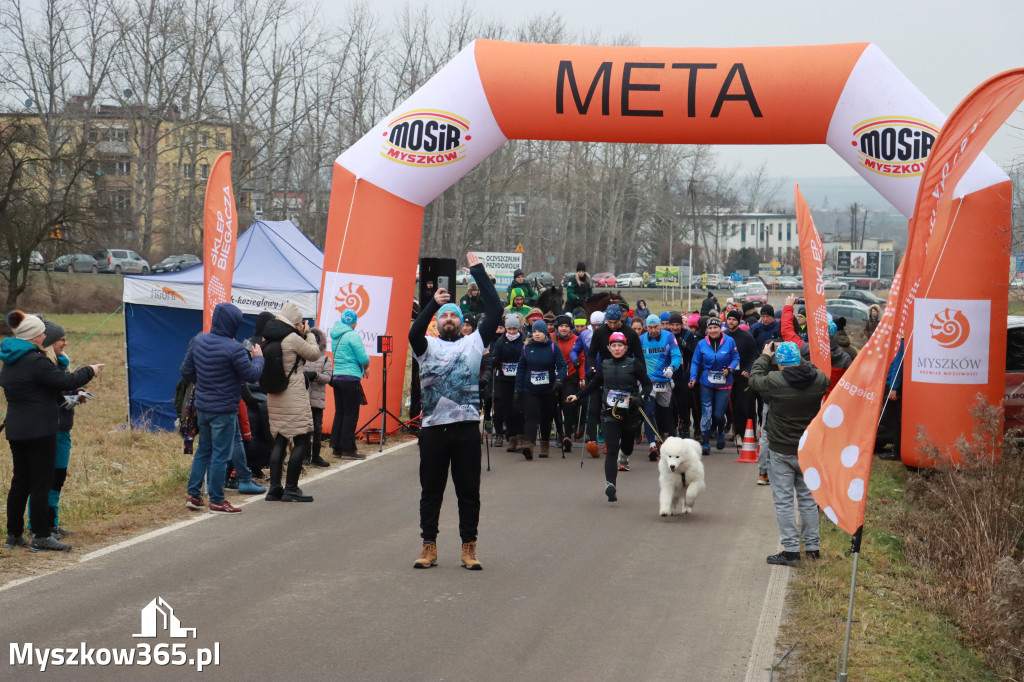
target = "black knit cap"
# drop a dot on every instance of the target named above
(581, 266)
(735, 314)
(767, 309)
(675, 318)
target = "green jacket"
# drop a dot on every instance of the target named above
(523, 310)
(578, 293)
(794, 397)
(527, 292)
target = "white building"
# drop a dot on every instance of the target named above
(772, 233)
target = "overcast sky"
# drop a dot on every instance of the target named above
(945, 48)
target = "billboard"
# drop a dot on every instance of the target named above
(858, 263)
(667, 275)
(501, 265)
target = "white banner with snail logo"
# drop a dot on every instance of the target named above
(367, 295)
(951, 341)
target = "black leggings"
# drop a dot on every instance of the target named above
(508, 421)
(34, 462)
(538, 410)
(299, 453)
(455, 446)
(348, 395)
(617, 436)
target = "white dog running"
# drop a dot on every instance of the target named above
(681, 475)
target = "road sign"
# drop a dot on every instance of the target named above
(519, 248)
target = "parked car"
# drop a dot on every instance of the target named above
(755, 292)
(870, 283)
(717, 281)
(540, 279)
(865, 297)
(75, 262)
(785, 282)
(462, 277)
(35, 262)
(175, 263)
(848, 308)
(1014, 397)
(629, 279)
(605, 279)
(121, 261)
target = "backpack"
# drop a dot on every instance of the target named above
(274, 379)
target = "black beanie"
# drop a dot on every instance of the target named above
(581, 266)
(748, 306)
(767, 309)
(735, 314)
(471, 321)
(675, 318)
(840, 322)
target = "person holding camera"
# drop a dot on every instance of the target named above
(33, 387)
(217, 364)
(450, 434)
(624, 387)
(290, 416)
(318, 375)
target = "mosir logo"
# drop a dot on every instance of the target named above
(428, 137)
(894, 146)
(950, 328)
(352, 296)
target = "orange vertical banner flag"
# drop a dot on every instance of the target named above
(836, 450)
(811, 256)
(219, 232)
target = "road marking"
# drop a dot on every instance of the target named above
(762, 653)
(104, 551)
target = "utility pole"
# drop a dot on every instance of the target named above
(853, 226)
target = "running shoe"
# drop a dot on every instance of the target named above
(609, 490)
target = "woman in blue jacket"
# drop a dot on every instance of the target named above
(714, 360)
(350, 365)
(541, 368)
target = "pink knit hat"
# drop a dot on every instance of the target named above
(693, 320)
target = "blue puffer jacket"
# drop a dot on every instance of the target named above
(350, 358)
(709, 358)
(218, 364)
(540, 362)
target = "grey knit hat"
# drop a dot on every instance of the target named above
(54, 332)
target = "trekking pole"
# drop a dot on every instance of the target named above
(487, 444)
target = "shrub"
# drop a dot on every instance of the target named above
(966, 526)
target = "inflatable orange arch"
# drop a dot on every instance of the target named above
(848, 96)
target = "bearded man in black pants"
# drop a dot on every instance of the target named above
(450, 433)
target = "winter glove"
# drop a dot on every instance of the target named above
(668, 372)
(310, 376)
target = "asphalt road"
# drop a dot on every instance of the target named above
(573, 587)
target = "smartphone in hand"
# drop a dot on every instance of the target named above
(442, 282)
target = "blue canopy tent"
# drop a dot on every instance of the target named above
(274, 263)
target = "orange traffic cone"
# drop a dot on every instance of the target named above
(749, 452)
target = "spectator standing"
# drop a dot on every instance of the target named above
(471, 303)
(794, 395)
(874, 317)
(709, 304)
(291, 418)
(450, 434)
(318, 376)
(34, 387)
(351, 364)
(217, 364)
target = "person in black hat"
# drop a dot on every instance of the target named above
(580, 287)
(741, 396)
(519, 282)
(468, 325)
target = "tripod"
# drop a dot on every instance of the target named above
(385, 347)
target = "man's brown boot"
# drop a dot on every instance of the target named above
(428, 556)
(469, 556)
(513, 444)
(544, 449)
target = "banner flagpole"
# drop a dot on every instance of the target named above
(855, 550)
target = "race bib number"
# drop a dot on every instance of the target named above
(540, 378)
(509, 369)
(617, 398)
(716, 378)
(660, 388)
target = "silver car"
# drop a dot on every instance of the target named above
(121, 261)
